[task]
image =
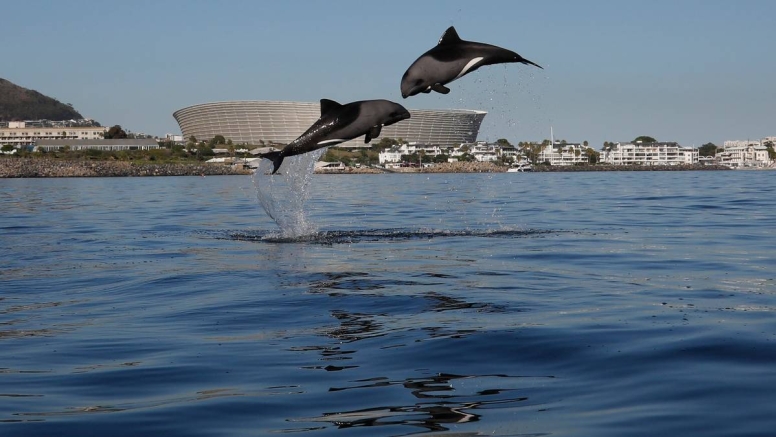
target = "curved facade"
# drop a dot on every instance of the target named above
(256, 121)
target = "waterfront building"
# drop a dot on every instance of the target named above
(390, 156)
(740, 154)
(261, 122)
(485, 152)
(740, 143)
(393, 154)
(481, 151)
(98, 144)
(26, 133)
(659, 153)
(562, 153)
(509, 152)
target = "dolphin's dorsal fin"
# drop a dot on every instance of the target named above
(327, 105)
(449, 37)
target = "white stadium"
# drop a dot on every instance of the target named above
(258, 122)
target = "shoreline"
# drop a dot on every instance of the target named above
(62, 168)
(45, 168)
(489, 167)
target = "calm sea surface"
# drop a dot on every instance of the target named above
(560, 304)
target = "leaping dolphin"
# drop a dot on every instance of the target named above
(339, 123)
(450, 59)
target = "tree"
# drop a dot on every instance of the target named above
(384, 143)
(217, 140)
(592, 156)
(203, 151)
(708, 149)
(466, 157)
(503, 142)
(441, 158)
(645, 139)
(771, 153)
(533, 150)
(417, 157)
(116, 132)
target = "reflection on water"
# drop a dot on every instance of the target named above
(439, 402)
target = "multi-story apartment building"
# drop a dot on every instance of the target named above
(20, 133)
(394, 154)
(749, 153)
(481, 151)
(660, 153)
(562, 153)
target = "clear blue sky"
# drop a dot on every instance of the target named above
(686, 71)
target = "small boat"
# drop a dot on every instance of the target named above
(519, 168)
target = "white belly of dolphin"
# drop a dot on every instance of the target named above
(329, 142)
(468, 66)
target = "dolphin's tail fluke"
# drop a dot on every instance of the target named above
(276, 159)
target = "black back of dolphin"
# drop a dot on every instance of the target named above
(451, 59)
(339, 123)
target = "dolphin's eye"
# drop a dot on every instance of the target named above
(419, 81)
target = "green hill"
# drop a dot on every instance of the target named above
(18, 103)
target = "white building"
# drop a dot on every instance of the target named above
(394, 154)
(661, 153)
(98, 144)
(484, 152)
(20, 133)
(564, 154)
(481, 151)
(177, 139)
(390, 156)
(740, 143)
(739, 154)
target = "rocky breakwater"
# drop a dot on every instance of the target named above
(447, 167)
(605, 167)
(465, 167)
(59, 168)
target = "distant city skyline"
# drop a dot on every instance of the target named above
(686, 71)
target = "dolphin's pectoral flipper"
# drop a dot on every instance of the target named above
(276, 158)
(374, 132)
(427, 90)
(440, 88)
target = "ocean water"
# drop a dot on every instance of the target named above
(547, 304)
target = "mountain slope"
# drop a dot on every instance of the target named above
(18, 103)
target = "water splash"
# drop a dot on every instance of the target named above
(284, 194)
